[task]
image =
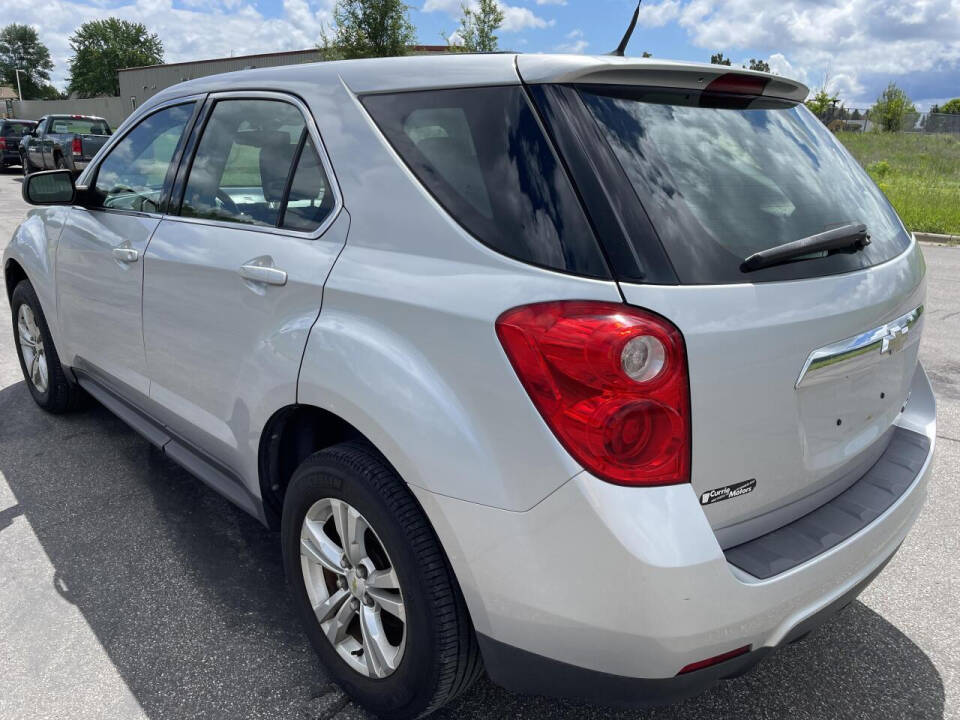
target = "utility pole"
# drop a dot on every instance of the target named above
(19, 91)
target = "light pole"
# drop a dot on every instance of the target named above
(19, 91)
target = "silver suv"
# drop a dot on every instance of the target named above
(603, 371)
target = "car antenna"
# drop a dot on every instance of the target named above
(626, 36)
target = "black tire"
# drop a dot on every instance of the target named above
(441, 658)
(25, 164)
(60, 163)
(60, 395)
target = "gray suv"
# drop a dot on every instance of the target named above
(598, 372)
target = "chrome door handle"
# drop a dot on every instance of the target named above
(262, 274)
(127, 255)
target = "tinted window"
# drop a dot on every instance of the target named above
(132, 176)
(15, 129)
(722, 178)
(243, 161)
(482, 154)
(310, 200)
(79, 126)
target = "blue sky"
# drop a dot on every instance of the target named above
(856, 46)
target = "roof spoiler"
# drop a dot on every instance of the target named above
(611, 70)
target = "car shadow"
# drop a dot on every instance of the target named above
(186, 595)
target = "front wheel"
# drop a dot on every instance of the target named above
(25, 164)
(373, 587)
(39, 361)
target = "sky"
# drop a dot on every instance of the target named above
(856, 46)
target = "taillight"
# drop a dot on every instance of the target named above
(611, 382)
(77, 146)
(3, 143)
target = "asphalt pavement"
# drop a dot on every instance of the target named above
(129, 590)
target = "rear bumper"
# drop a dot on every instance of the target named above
(10, 157)
(630, 585)
(525, 672)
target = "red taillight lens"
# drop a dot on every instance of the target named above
(610, 381)
(3, 143)
(77, 146)
(738, 84)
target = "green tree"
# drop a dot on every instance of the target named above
(760, 65)
(891, 108)
(368, 28)
(102, 47)
(952, 107)
(20, 47)
(821, 102)
(719, 59)
(478, 26)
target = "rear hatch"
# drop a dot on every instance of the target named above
(798, 370)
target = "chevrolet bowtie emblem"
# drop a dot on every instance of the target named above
(894, 340)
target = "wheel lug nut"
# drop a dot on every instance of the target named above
(344, 562)
(355, 604)
(367, 600)
(342, 583)
(362, 572)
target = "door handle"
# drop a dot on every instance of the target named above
(126, 255)
(262, 274)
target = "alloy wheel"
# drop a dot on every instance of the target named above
(353, 588)
(32, 349)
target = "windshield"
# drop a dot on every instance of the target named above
(723, 177)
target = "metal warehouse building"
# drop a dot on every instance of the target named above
(140, 83)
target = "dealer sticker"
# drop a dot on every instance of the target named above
(730, 491)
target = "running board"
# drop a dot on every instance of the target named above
(193, 461)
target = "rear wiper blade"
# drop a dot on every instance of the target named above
(845, 237)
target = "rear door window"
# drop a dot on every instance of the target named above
(482, 153)
(252, 156)
(723, 177)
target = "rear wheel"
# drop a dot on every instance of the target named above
(25, 164)
(60, 163)
(371, 582)
(39, 361)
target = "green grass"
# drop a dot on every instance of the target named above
(920, 174)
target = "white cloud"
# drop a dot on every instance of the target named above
(850, 39)
(222, 28)
(515, 18)
(521, 18)
(551, 2)
(575, 43)
(659, 14)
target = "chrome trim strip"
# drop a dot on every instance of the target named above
(886, 338)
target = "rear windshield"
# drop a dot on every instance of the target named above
(79, 126)
(723, 177)
(482, 154)
(14, 129)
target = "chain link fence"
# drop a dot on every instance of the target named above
(859, 120)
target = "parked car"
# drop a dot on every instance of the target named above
(11, 131)
(599, 372)
(63, 141)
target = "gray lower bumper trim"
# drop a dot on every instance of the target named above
(848, 513)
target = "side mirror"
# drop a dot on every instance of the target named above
(52, 187)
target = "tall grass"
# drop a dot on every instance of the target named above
(920, 174)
